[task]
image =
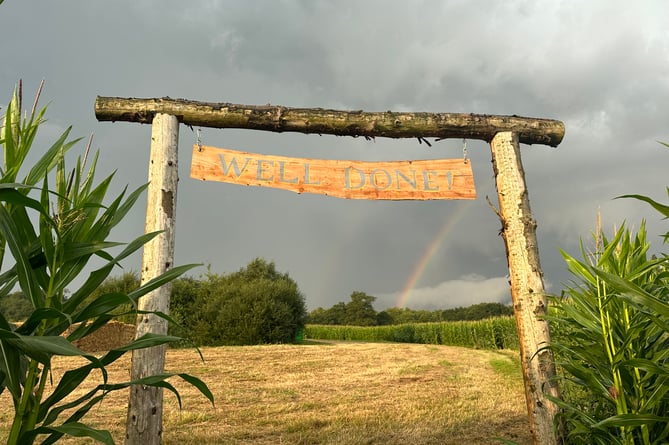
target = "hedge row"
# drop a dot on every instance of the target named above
(492, 333)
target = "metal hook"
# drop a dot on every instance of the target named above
(464, 150)
(197, 140)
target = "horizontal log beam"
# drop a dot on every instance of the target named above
(322, 121)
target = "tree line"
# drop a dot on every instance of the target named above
(257, 305)
(359, 311)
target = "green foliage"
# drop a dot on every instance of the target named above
(405, 315)
(51, 237)
(611, 339)
(183, 309)
(335, 315)
(479, 311)
(122, 284)
(493, 333)
(359, 312)
(383, 318)
(256, 305)
(15, 307)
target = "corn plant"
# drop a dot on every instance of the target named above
(611, 339)
(52, 234)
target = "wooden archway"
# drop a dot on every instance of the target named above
(503, 133)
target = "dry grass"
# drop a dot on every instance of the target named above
(340, 393)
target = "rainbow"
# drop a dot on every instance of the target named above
(432, 248)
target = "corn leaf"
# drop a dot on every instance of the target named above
(160, 280)
(41, 348)
(40, 315)
(148, 340)
(199, 384)
(50, 158)
(102, 305)
(26, 278)
(70, 381)
(77, 429)
(98, 276)
(10, 368)
(663, 209)
(626, 420)
(75, 250)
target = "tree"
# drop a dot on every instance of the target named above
(399, 315)
(383, 318)
(335, 315)
(318, 316)
(481, 311)
(359, 311)
(478, 311)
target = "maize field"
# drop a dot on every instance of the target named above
(492, 333)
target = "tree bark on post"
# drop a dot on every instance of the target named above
(144, 424)
(527, 286)
(278, 118)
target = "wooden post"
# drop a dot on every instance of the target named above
(527, 286)
(144, 424)
(278, 118)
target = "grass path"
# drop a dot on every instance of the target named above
(332, 393)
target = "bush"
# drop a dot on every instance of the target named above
(256, 305)
(183, 310)
(15, 307)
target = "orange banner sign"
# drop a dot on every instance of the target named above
(396, 180)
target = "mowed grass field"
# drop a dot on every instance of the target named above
(330, 393)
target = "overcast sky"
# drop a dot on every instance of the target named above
(601, 67)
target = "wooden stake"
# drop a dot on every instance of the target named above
(144, 425)
(527, 286)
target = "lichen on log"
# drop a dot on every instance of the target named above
(278, 118)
